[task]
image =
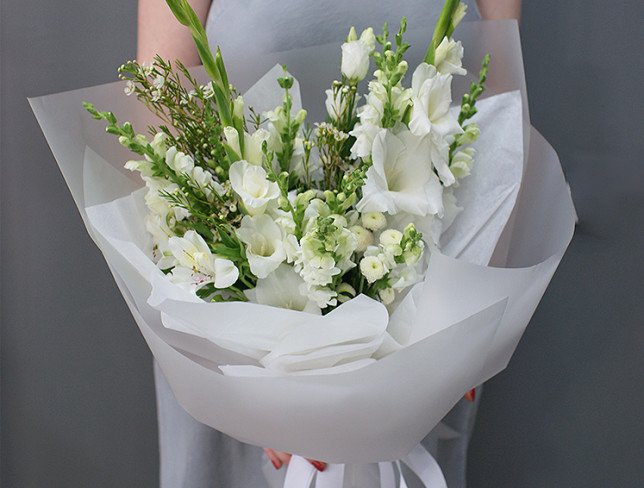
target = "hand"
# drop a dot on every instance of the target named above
(279, 458)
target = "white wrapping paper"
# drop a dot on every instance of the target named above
(451, 332)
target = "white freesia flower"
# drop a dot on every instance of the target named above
(252, 144)
(251, 183)
(432, 96)
(197, 266)
(282, 288)
(355, 55)
(178, 161)
(264, 247)
(448, 57)
(401, 178)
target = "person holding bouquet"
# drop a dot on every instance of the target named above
(192, 454)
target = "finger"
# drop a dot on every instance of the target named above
(284, 457)
(319, 465)
(272, 455)
(470, 396)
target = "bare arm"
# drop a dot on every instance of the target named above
(499, 9)
(160, 33)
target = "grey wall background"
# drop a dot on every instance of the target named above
(77, 398)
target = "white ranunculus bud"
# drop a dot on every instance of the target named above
(373, 220)
(372, 268)
(363, 236)
(391, 237)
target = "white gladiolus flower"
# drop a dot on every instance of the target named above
(372, 268)
(355, 55)
(264, 247)
(364, 134)
(178, 161)
(252, 144)
(432, 96)
(387, 295)
(282, 288)
(448, 57)
(364, 238)
(373, 220)
(400, 178)
(250, 182)
(197, 266)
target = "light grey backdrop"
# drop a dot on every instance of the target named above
(77, 398)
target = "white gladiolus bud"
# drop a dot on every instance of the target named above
(373, 220)
(387, 295)
(238, 107)
(459, 13)
(372, 268)
(363, 236)
(391, 237)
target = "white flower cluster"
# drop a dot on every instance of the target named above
(308, 218)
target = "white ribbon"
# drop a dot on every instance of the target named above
(300, 473)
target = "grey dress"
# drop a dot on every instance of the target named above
(193, 455)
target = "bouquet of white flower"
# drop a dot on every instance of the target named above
(282, 272)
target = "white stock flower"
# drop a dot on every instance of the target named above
(282, 288)
(400, 178)
(197, 266)
(321, 295)
(448, 57)
(432, 96)
(251, 184)
(252, 144)
(264, 247)
(462, 161)
(355, 55)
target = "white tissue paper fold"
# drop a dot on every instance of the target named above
(332, 387)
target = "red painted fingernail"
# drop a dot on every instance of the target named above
(318, 465)
(471, 395)
(277, 464)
